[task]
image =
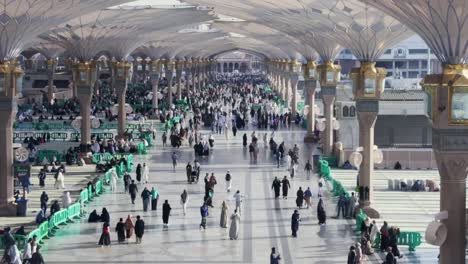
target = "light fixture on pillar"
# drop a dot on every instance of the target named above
(85, 78)
(310, 84)
(329, 74)
(368, 85)
(123, 72)
(295, 69)
(10, 80)
(368, 81)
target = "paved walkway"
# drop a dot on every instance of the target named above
(265, 222)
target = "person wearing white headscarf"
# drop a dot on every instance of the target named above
(66, 200)
(145, 173)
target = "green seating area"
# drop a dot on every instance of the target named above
(105, 157)
(48, 155)
(410, 239)
(74, 211)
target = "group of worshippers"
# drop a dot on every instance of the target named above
(12, 254)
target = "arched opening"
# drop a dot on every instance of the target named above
(345, 111)
(352, 111)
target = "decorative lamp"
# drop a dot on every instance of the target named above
(368, 81)
(310, 71)
(329, 73)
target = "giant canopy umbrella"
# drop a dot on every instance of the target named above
(442, 24)
(21, 21)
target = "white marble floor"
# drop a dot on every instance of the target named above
(265, 223)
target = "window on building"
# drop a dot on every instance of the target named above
(417, 51)
(345, 111)
(352, 111)
(389, 73)
(404, 75)
(388, 51)
(384, 64)
(400, 64)
(413, 74)
(413, 64)
(424, 64)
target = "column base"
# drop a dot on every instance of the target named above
(8, 209)
(311, 138)
(368, 210)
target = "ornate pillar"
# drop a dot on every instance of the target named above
(170, 65)
(10, 73)
(198, 69)
(447, 94)
(368, 84)
(193, 71)
(122, 75)
(310, 84)
(51, 63)
(85, 73)
(329, 76)
(155, 72)
(179, 67)
(294, 71)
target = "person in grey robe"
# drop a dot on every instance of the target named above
(224, 219)
(235, 223)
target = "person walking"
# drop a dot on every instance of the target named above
(139, 229)
(166, 212)
(299, 198)
(276, 187)
(145, 173)
(224, 219)
(285, 184)
(321, 214)
(59, 180)
(37, 257)
(238, 198)
(174, 160)
(42, 177)
(184, 197)
(66, 200)
(235, 223)
(308, 197)
(113, 181)
(188, 171)
(295, 218)
(308, 168)
(27, 251)
(274, 258)
(154, 199)
(138, 172)
(105, 235)
(127, 179)
(120, 229)
(44, 199)
(352, 255)
(129, 227)
(204, 215)
(145, 196)
(133, 189)
(341, 205)
(228, 181)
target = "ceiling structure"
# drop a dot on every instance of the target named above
(303, 30)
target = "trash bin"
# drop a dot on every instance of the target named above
(22, 207)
